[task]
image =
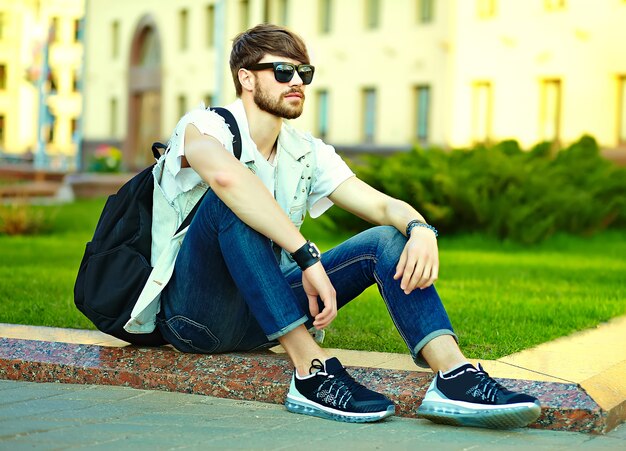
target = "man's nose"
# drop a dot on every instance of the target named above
(296, 80)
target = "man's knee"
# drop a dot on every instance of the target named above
(390, 240)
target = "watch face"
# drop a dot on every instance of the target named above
(314, 251)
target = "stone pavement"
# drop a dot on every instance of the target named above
(68, 416)
(588, 397)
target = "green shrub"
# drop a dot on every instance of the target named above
(502, 190)
(21, 218)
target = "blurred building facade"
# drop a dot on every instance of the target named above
(389, 73)
(40, 69)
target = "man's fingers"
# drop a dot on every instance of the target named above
(434, 275)
(313, 305)
(325, 317)
(416, 277)
(401, 264)
(425, 281)
(409, 271)
(317, 286)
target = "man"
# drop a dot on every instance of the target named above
(245, 277)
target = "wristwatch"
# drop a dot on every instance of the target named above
(307, 255)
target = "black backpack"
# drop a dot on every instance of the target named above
(116, 263)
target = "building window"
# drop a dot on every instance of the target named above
(425, 11)
(150, 53)
(372, 14)
(422, 113)
(115, 39)
(55, 31)
(322, 113)
(621, 109)
(3, 77)
(369, 115)
(244, 14)
(76, 81)
(74, 128)
(113, 117)
(550, 114)
(486, 9)
(554, 5)
(183, 23)
(52, 120)
(283, 10)
(2, 25)
(52, 82)
(481, 111)
(325, 8)
(77, 30)
(2, 127)
(210, 25)
(182, 105)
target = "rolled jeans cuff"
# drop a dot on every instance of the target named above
(415, 353)
(288, 328)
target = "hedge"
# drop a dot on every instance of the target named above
(502, 190)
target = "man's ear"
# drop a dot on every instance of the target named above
(246, 78)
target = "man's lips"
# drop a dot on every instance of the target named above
(296, 94)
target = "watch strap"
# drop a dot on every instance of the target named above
(307, 255)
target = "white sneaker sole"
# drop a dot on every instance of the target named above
(462, 414)
(305, 407)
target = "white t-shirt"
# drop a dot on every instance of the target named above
(330, 170)
(266, 171)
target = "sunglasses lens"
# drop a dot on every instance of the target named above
(306, 73)
(284, 72)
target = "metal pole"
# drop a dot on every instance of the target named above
(79, 135)
(41, 158)
(220, 43)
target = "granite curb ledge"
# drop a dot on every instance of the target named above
(259, 377)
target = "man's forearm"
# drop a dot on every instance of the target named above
(240, 190)
(249, 199)
(399, 214)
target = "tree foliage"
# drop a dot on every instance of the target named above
(503, 190)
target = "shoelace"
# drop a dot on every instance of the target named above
(488, 387)
(316, 364)
(343, 376)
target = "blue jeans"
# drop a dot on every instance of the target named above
(229, 293)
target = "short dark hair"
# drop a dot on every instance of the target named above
(252, 45)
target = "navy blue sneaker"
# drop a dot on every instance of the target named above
(469, 397)
(330, 392)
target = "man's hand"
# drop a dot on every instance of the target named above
(419, 263)
(316, 283)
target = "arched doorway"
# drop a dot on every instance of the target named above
(144, 94)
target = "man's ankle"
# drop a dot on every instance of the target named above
(303, 369)
(452, 368)
(302, 349)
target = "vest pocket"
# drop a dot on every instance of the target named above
(297, 213)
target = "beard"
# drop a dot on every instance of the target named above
(278, 107)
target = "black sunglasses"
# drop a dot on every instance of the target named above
(283, 72)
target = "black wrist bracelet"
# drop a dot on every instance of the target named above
(417, 223)
(307, 255)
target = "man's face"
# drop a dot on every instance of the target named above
(284, 100)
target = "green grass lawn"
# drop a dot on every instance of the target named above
(501, 297)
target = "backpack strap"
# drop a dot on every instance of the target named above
(157, 147)
(234, 129)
